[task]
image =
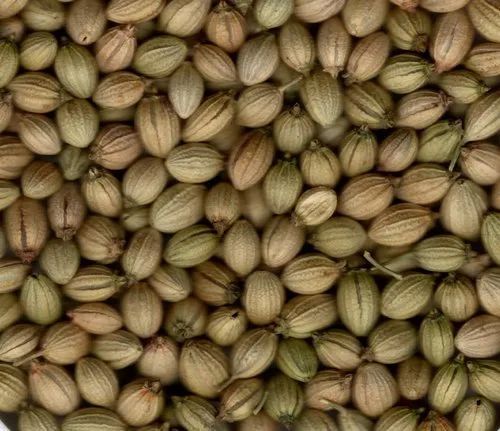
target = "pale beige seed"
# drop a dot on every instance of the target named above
(463, 85)
(479, 337)
(254, 206)
(160, 360)
(15, 156)
(18, 341)
(226, 325)
(170, 283)
(11, 7)
(296, 47)
(258, 59)
(134, 11)
(52, 387)
(241, 399)
(36, 418)
(215, 66)
(401, 224)
(365, 196)
(96, 318)
(483, 378)
(60, 260)
(414, 377)
(484, 15)
(484, 59)
(41, 300)
(140, 402)
(362, 18)
(142, 310)
(222, 206)
(488, 289)
(421, 108)
(357, 302)
(116, 147)
(338, 237)
(482, 119)
(319, 165)
(424, 184)
(273, 13)
(47, 15)
(194, 163)
(315, 206)
(119, 90)
(409, 30)
(115, 49)
(457, 298)
(185, 90)
(178, 207)
(143, 181)
(263, 297)
(97, 382)
(86, 21)
(327, 387)
(451, 39)
(41, 179)
(480, 161)
(183, 18)
(438, 142)
(215, 283)
(405, 73)
(443, 6)
(333, 45)
(119, 349)
(203, 367)
(10, 309)
(159, 56)
(337, 348)
(322, 97)
(374, 390)
(281, 241)
(102, 193)
(186, 319)
(475, 413)
(368, 57)
(241, 248)
(212, 116)
(158, 125)
(462, 209)
(226, 27)
(358, 151)
(368, 104)
(38, 51)
(194, 412)
(250, 159)
(39, 133)
(253, 353)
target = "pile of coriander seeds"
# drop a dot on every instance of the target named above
(250, 215)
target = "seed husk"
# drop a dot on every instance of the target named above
(13, 388)
(52, 387)
(142, 310)
(140, 402)
(305, 314)
(374, 389)
(195, 412)
(32, 418)
(479, 337)
(263, 297)
(285, 399)
(414, 377)
(475, 414)
(97, 382)
(93, 419)
(484, 376)
(436, 338)
(118, 349)
(160, 360)
(240, 399)
(39, 133)
(226, 27)
(252, 354)
(183, 17)
(297, 359)
(258, 59)
(86, 21)
(203, 367)
(448, 386)
(96, 318)
(361, 18)
(185, 90)
(226, 325)
(186, 319)
(115, 49)
(451, 40)
(322, 97)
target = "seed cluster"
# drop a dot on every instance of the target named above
(250, 215)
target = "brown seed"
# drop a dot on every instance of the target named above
(115, 49)
(183, 17)
(414, 377)
(263, 297)
(479, 337)
(86, 21)
(484, 59)
(226, 27)
(328, 386)
(362, 18)
(451, 40)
